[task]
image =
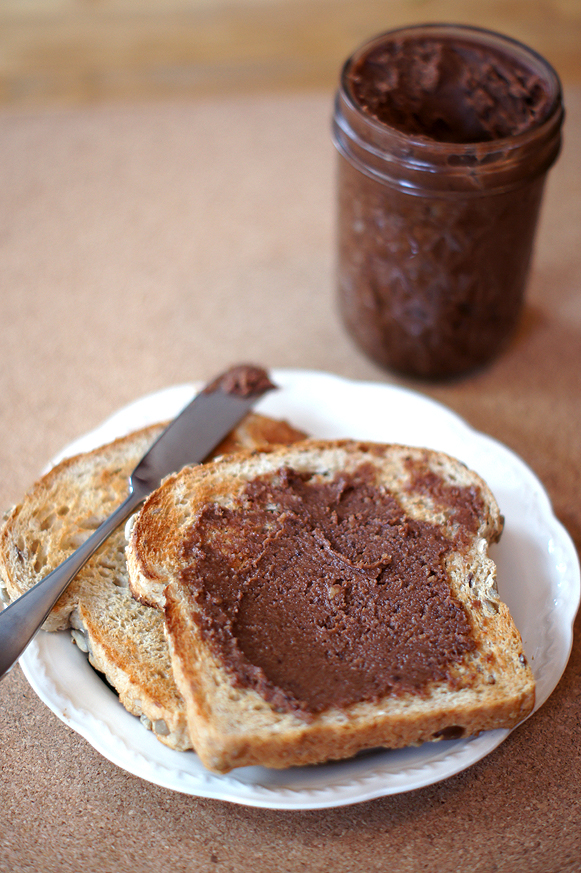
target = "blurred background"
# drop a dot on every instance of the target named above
(68, 52)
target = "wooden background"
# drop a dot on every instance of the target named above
(66, 52)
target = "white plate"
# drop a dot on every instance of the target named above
(538, 576)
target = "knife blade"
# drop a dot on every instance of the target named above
(188, 439)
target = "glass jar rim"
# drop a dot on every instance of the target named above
(483, 37)
(415, 163)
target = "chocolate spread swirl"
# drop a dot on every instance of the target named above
(324, 593)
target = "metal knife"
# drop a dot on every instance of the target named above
(188, 439)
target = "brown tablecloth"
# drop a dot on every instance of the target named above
(143, 246)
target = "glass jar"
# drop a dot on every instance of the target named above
(445, 135)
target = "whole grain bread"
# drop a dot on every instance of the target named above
(124, 640)
(232, 721)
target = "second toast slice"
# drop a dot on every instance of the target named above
(124, 640)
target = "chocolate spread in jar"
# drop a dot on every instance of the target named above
(445, 135)
(324, 593)
(449, 90)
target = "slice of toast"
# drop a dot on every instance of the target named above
(124, 640)
(330, 597)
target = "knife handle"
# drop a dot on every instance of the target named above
(20, 621)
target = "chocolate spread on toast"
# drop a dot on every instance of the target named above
(324, 592)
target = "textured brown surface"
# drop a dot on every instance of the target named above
(67, 52)
(145, 246)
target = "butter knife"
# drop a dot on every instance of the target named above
(188, 439)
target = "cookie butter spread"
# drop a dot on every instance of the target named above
(321, 592)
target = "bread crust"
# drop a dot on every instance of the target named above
(233, 726)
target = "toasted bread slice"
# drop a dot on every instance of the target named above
(124, 640)
(327, 598)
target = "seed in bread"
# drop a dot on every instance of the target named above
(330, 597)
